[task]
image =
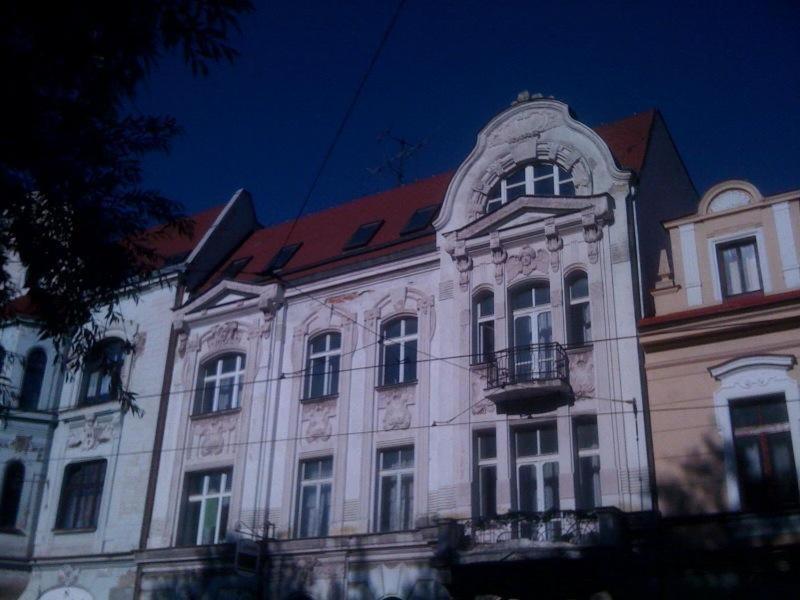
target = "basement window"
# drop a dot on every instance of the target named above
(363, 235)
(420, 220)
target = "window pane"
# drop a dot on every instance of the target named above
(527, 488)
(512, 193)
(391, 364)
(544, 187)
(566, 188)
(406, 500)
(326, 467)
(317, 377)
(406, 457)
(764, 411)
(541, 295)
(410, 366)
(588, 482)
(389, 503)
(487, 340)
(488, 491)
(308, 510)
(527, 443)
(225, 398)
(521, 298)
(229, 364)
(487, 445)
(548, 439)
(579, 288)
(208, 527)
(517, 176)
(411, 326)
(550, 472)
(493, 205)
(335, 341)
(333, 378)
(223, 519)
(485, 306)
(750, 267)
(541, 170)
(586, 433)
(318, 344)
(731, 275)
(214, 481)
(390, 459)
(35, 365)
(324, 509)
(392, 330)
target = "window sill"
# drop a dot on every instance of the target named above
(314, 399)
(392, 386)
(76, 530)
(215, 413)
(578, 348)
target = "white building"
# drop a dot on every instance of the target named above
(363, 394)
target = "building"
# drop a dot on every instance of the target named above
(75, 468)
(721, 359)
(396, 396)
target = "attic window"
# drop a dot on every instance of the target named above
(235, 267)
(421, 219)
(363, 235)
(537, 179)
(283, 256)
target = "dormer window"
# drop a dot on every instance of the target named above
(537, 179)
(738, 267)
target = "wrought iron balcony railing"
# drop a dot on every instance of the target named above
(534, 363)
(572, 527)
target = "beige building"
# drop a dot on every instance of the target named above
(721, 359)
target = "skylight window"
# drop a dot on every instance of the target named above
(233, 268)
(283, 256)
(363, 235)
(420, 220)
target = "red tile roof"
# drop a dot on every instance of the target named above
(324, 234)
(628, 137)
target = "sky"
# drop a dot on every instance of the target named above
(725, 76)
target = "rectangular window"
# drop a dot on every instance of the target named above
(206, 506)
(536, 451)
(395, 489)
(486, 473)
(739, 271)
(81, 493)
(314, 500)
(764, 453)
(587, 459)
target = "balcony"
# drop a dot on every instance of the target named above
(529, 379)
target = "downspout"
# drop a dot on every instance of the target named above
(161, 421)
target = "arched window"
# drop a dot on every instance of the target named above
(35, 365)
(399, 351)
(536, 179)
(13, 480)
(532, 330)
(102, 377)
(322, 365)
(220, 386)
(579, 319)
(483, 327)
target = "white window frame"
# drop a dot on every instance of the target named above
(539, 360)
(218, 377)
(204, 496)
(530, 181)
(568, 281)
(750, 377)
(327, 354)
(479, 320)
(317, 483)
(480, 465)
(400, 340)
(537, 461)
(761, 251)
(586, 453)
(397, 473)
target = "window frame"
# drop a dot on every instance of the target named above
(479, 320)
(538, 461)
(203, 498)
(11, 497)
(217, 378)
(484, 509)
(575, 308)
(32, 403)
(318, 484)
(67, 485)
(398, 474)
(579, 453)
(498, 196)
(737, 244)
(95, 366)
(402, 340)
(328, 354)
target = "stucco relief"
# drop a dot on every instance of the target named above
(221, 336)
(592, 233)
(525, 126)
(317, 420)
(499, 256)
(394, 405)
(581, 373)
(213, 436)
(480, 405)
(554, 243)
(526, 262)
(90, 434)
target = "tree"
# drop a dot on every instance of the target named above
(73, 208)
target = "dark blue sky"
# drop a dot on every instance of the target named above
(725, 75)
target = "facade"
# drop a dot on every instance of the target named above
(389, 403)
(85, 464)
(432, 392)
(721, 355)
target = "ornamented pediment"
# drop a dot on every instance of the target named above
(224, 298)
